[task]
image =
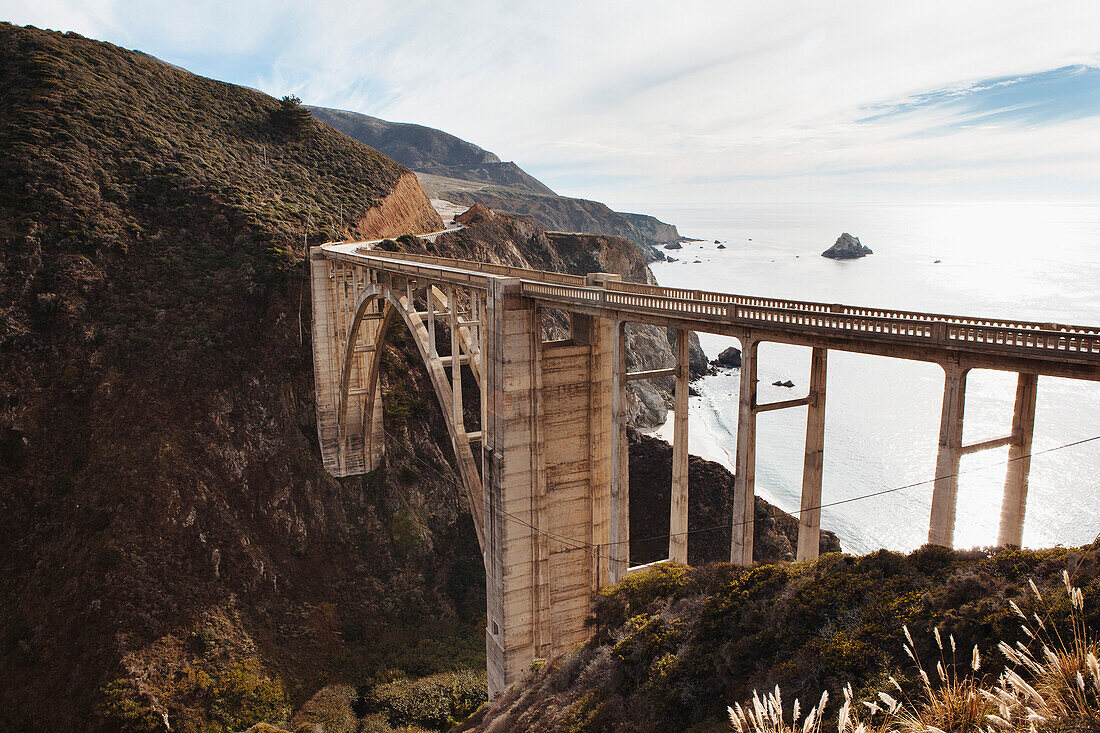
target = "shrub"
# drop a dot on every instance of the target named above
(1053, 684)
(439, 701)
(243, 696)
(123, 708)
(331, 707)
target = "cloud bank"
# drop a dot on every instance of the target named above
(645, 102)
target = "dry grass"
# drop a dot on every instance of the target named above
(1052, 685)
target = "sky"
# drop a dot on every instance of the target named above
(678, 102)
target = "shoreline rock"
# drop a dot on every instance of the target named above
(729, 357)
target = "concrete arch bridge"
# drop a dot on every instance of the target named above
(545, 469)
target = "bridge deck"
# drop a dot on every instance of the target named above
(1050, 349)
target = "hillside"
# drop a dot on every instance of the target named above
(431, 151)
(175, 553)
(163, 506)
(455, 170)
(675, 646)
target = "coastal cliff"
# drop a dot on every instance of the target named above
(558, 213)
(458, 171)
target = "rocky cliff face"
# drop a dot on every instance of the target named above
(404, 210)
(558, 213)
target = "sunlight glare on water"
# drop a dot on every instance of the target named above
(1025, 261)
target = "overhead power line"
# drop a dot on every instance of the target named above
(595, 550)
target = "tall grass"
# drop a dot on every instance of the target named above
(1051, 685)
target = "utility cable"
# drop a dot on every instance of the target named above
(575, 544)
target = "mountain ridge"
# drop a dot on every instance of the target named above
(458, 171)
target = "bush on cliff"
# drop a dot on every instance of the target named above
(673, 649)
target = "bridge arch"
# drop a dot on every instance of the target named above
(404, 307)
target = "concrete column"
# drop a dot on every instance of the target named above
(678, 516)
(809, 517)
(1019, 462)
(945, 489)
(326, 366)
(456, 365)
(482, 354)
(507, 478)
(431, 319)
(619, 519)
(744, 481)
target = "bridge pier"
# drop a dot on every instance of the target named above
(548, 458)
(678, 509)
(941, 530)
(744, 473)
(619, 455)
(809, 515)
(945, 487)
(1014, 504)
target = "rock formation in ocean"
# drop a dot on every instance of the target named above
(846, 247)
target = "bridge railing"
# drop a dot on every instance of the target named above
(816, 307)
(1020, 338)
(915, 328)
(482, 267)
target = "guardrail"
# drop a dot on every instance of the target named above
(1016, 338)
(817, 307)
(1019, 338)
(483, 267)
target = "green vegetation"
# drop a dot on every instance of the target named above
(436, 702)
(674, 646)
(122, 706)
(236, 697)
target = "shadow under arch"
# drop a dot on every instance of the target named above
(399, 304)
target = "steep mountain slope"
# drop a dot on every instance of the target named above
(170, 536)
(459, 171)
(431, 151)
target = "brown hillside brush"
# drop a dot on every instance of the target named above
(1051, 686)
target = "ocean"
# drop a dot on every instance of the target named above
(1025, 261)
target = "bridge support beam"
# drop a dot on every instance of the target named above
(809, 516)
(945, 487)
(619, 548)
(678, 512)
(547, 475)
(1014, 504)
(744, 479)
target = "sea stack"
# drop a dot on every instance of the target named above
(847, 247)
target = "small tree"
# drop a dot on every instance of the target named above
(290, 116)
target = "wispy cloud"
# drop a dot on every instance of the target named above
(655, 101)
(1042, 98)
